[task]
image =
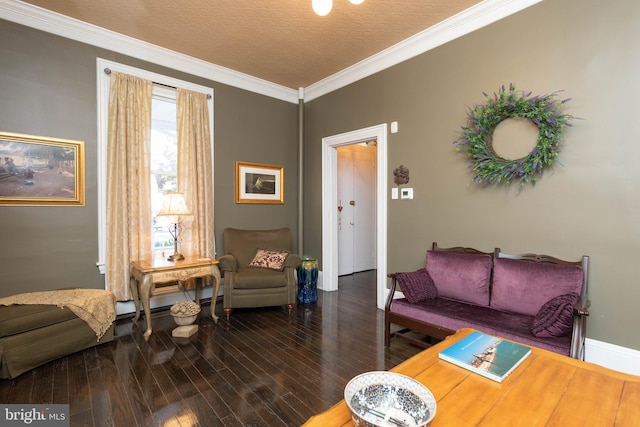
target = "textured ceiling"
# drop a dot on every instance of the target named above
(281, 41)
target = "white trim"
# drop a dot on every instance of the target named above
(166, 299)
(612, 356)
(465, 22)
(330, 206)
(55, 23)
(103, 81)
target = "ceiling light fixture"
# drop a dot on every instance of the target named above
(323, 7)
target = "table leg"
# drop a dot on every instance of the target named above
(145, 290)
(215, 272)
(199, 285)
(133, 285)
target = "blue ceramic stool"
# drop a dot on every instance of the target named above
(308, 281)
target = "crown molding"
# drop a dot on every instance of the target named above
(55, 23)
(465, 22)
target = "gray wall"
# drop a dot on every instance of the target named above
(589, 204)
(48, 88)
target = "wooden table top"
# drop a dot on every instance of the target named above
(161, 263)
(548, 389)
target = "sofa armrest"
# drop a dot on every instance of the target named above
(578, 334)
(228, 263)
(582, 310)
(392, 290)
(292, 261)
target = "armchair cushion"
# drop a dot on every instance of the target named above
(259, 278)
(273, 260)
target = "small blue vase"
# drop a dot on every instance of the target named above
(308, 281)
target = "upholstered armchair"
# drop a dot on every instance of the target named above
(259, 269)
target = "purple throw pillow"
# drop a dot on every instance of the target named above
(555, 318)
(417, 285)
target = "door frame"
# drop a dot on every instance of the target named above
(330, 146)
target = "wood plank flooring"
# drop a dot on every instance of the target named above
(262, 368)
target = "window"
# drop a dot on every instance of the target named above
(164, 164)
(163, 144)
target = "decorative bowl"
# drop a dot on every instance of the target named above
(185, 312)
(381, 398)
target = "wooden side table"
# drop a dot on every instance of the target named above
(147, 273)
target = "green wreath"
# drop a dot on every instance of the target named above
(475, 138)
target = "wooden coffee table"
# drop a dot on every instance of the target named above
(548, 389)
(147, 273)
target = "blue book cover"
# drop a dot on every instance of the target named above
(486, 355)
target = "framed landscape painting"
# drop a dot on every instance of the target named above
(256, 183)
(42, 171)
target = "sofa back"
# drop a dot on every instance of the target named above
(513, 283)
(524, 283)
(462, 274)
(243, 244)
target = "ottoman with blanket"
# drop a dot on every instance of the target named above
(39, 327)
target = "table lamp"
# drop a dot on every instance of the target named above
(175, 207)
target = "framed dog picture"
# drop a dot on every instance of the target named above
(256, 183)
(43, 171)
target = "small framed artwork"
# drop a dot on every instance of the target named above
(41, 171)
(256, 183)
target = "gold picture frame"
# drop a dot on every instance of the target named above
(41, 171)
(257, 183)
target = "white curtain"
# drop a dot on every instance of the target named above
(128, 179)
(195, 171)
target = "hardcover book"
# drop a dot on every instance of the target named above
(486, 355)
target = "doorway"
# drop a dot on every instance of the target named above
(356, 207)
(330, 206)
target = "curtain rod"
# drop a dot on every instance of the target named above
(107, 71)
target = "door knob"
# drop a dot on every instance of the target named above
(352, 202)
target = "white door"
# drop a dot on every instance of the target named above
(357, 172)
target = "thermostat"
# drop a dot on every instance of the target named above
(406, 193)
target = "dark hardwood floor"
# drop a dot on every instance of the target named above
(262, 368)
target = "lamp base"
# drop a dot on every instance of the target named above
(176, 257)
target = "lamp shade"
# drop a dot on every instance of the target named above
(174, 205)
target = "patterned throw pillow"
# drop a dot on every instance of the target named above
(417, 285)
(555, 318)
(273, 260)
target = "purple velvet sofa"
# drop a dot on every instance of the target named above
(537, 300)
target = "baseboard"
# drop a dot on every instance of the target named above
(164, 300)
(612, 356)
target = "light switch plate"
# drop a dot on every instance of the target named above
(394, 193)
